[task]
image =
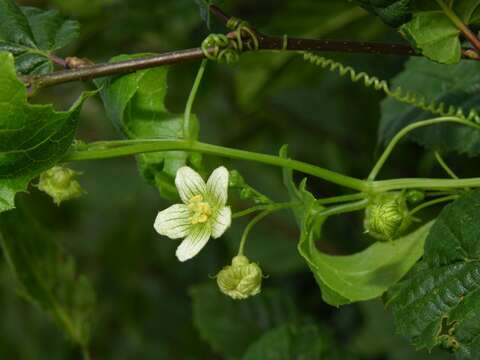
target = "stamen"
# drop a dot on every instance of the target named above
(201, 210)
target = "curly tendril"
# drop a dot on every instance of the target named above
(398, 93)
(227, 49)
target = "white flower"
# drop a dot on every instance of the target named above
(202, 214)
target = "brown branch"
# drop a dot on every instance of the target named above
(265, 42)
(182, 56)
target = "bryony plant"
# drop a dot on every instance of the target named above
(437, 304)
(202, 215)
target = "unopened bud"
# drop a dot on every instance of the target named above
(240, 280)
(386, 216)
(59, 182)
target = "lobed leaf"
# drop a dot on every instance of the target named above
(33, 138)
(439, 304)
(31, 35)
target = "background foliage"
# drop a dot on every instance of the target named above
(150, 306)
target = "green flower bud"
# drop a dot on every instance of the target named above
(59, 183)
(386, 216)
(415, 196)
(235, 179)
(240, 280)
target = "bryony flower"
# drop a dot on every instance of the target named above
(202, 215)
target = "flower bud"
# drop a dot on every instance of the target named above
(414, 196)
(240, 280)
(235, 179)
(386, 216)
(59, 183)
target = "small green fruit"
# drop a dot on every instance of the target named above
(240, 280)
(59, 182)
(387, 216)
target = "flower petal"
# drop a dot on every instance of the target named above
(193, 243)
(221, 221)
(217, 186)
(174, 221)
(189, 183)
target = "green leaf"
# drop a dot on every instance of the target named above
(365, 275)
(454, 85)
(362, 276)
(393, 12)
(31, 35)
(46, 277)
(434, 33)
(229, 326)
(439, 304)
(135, 104)
(294, 341)
(32, 137)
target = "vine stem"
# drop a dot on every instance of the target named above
(344, 208)
(444, 165)
(111, 149)
(433, 202)
(187, 131)
(388, 150)
(256, 219)
(264, 207)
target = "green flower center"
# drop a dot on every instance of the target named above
(201, 210)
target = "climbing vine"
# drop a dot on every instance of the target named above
(424, 268)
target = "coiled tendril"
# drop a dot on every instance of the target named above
(227, 49)
(408, 97)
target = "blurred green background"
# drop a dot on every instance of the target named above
(150, 306)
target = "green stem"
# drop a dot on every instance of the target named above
(444, 165)
(111, 149)
(263, 207)
(256, 219)
(187, 131)
(422, 183)
(344, 208)
(433, 202)
(341, 198)
(388, 150)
